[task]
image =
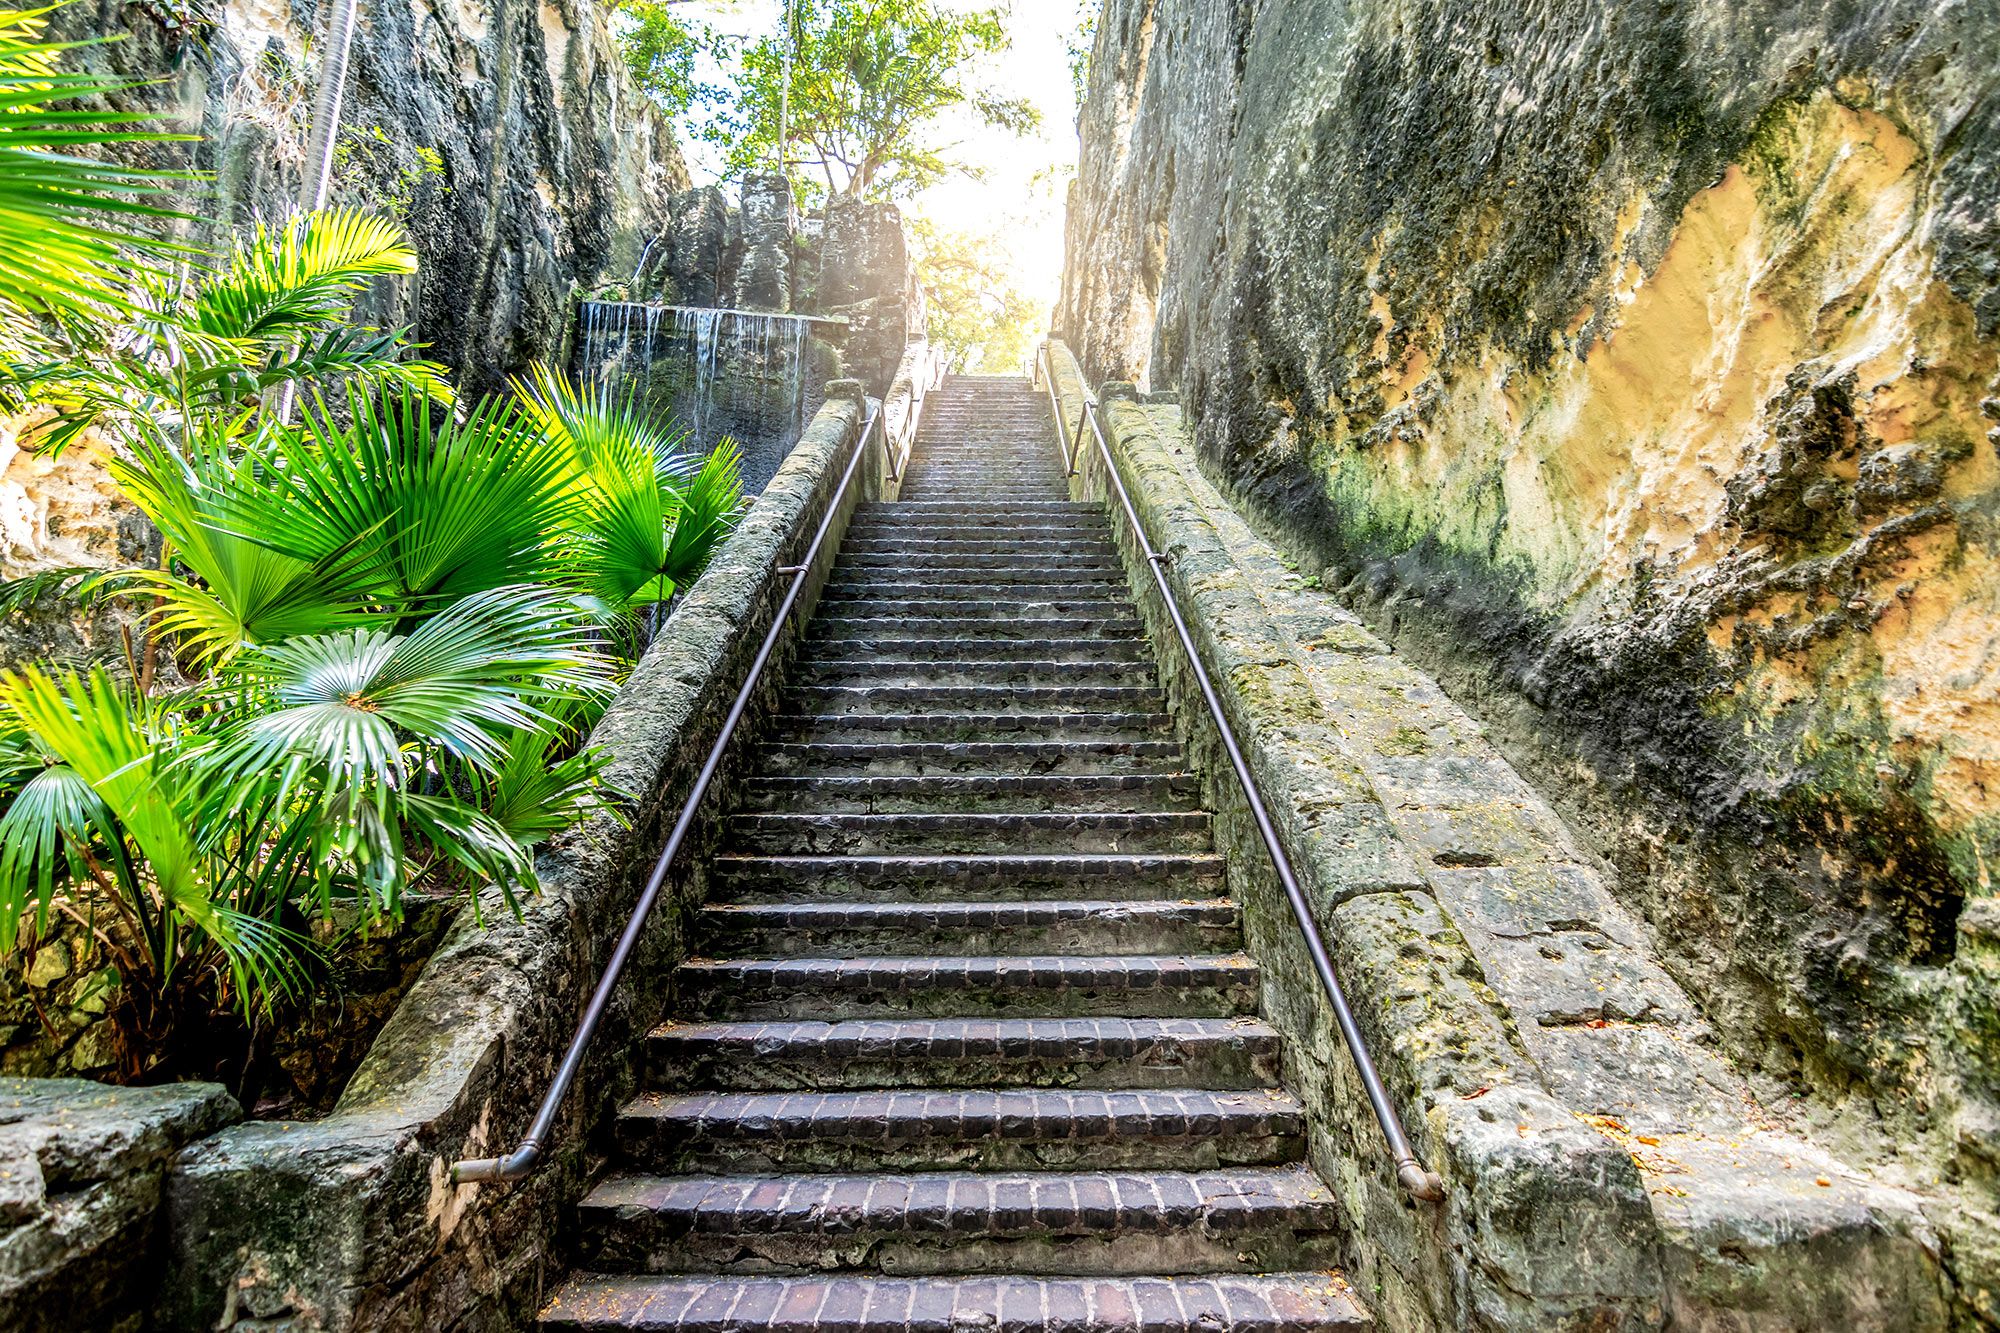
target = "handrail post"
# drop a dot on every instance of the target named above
(1416, 1180)
(528, 1155)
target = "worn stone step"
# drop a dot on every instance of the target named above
(981, 648)
(901, 568)
(977, 1129)
(951, 511)
(1005, 550)
(1091, 526)
(845, 671)
(958, 1222)
(1081, 793)
(845, 929)
(959, 1052)
(1078, 604)
(1311, 1302)
(953, 728)
(740, 878)
(830, 627)
(1100, 591)
(934, 758)
(1035, 986)
(991, 700)
(809, 833)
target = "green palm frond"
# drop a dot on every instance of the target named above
(288, 280)
(440, 507)
(356, 709)
(70, 226)
(251, 590)
(649, 515)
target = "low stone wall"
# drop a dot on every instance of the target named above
(81, 1169)
(351, 1222)
(1605, 1166)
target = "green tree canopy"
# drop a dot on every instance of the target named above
(874, 84)
(979, 312)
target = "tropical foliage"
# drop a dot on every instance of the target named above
(977, 309)
(379, 631)
(873, 86)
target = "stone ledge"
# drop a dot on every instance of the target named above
(1632, 1178)
(81, 1167)
(351, 1221)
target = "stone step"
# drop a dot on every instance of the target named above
(901, 568)
(1035, 986)
(872, 672)
(921, 614)
(1008, 878)
(987, 648)
(958, 1052)
(1044, 926)
(989, 700)
(954, 728)
(956, 1222)
(1274, 1303)
(951, 512)
(981, 793)
(815, 833)
(936, 758)
(972, 1129)
(995, 527)
(1003, 549)
(831, 627)
(917, 586)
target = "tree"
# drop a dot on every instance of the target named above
(663, 53)
(978, 311)
(872, 84)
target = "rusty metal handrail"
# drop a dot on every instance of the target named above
(526, 1157)
(1416, 1179)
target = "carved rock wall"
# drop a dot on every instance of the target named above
(1632, 368)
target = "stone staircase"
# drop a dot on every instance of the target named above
(971, 1041)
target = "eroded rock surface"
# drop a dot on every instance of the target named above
(1634, 369)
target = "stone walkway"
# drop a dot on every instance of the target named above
(973, 1041)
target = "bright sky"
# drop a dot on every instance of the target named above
(1019, 198)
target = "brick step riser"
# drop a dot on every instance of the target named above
(829, 628)
(631, 1244)
(952, 728)
(843, 673)
(819, 1056)
(967, 879)
(915, 835)
(993, 700)
(833, 1002)
(1102, 651)
(1282, 1303)
(903, 568)
(1179, 929)
(969, 759)
(1007, 550)
(677, 1148)
(834, 795)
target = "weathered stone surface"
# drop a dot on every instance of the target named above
(81, 1166)
(864, 276)
(351, 1222)
(1633, 370)
(1598, 1150)
(764, 275)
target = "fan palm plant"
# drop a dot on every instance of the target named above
(649, 514)
(71, 226)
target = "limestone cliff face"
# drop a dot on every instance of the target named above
(1635, 366)
(505, 133)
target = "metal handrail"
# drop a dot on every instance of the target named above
(525, 1158)
(1417, 1180)
(1048, 373)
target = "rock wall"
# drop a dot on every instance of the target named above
(1634, 369)
(504, 133)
